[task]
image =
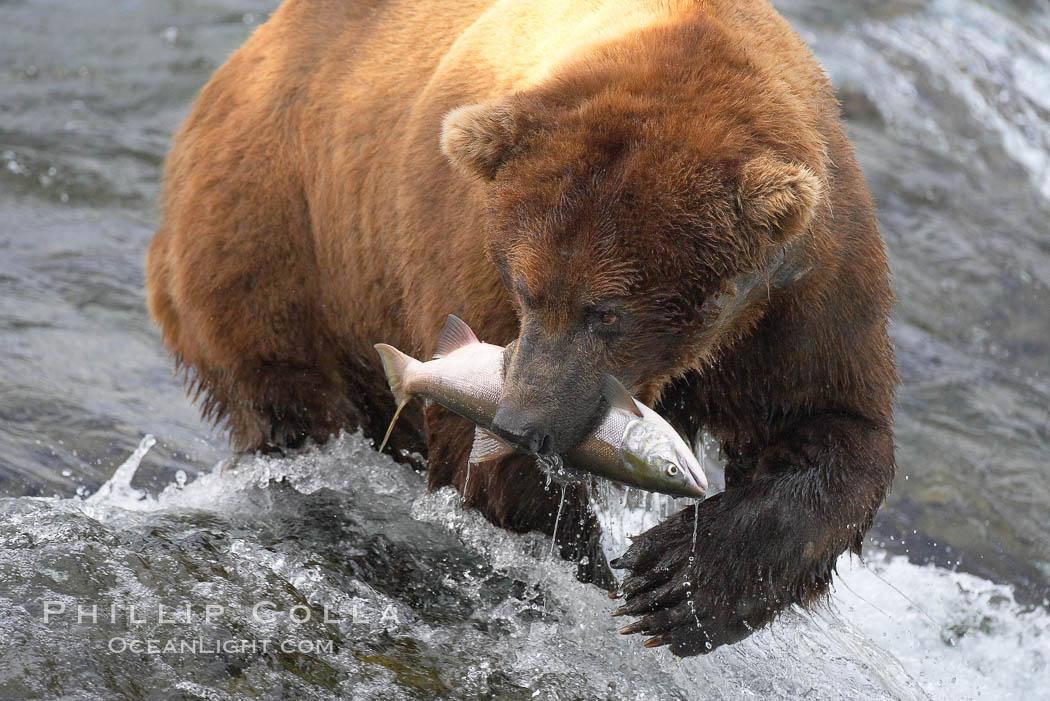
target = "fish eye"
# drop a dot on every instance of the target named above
(672, 469)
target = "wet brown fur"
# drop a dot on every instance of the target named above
(356, 171)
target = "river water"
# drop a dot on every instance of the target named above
(408, 595)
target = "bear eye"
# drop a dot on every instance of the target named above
(605, 320)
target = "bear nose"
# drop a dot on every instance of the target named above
(523, 431)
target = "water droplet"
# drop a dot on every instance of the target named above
(180, 478)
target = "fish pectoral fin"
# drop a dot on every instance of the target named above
(488, 447)
(618, 396)
(454, 336)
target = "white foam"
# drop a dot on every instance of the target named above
(959, 635)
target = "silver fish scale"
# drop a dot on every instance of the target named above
(469, 381)
(602, 449)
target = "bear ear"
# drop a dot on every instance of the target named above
(777, 197)
(479, 139)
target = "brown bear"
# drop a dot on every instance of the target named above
(653, 189)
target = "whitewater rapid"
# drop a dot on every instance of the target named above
(488, 602)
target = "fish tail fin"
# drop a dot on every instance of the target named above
(395, 365)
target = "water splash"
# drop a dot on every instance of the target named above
(117, 490)
(557, 520)
(480, 611)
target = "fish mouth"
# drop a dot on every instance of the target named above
(697, 478)
(696, 491)
(691, 490)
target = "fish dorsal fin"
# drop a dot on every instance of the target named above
(618, 396)
(487, 447)
(454, 336)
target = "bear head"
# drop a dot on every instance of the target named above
(637, 234)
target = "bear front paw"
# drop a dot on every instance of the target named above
(696, 593)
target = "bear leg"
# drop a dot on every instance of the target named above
(761, 546)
